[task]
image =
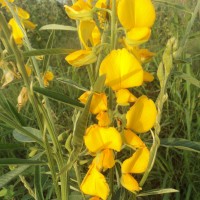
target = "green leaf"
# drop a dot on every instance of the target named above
(46, 58)
(174, 5)
(77, 140)
(3, 192)
(59, 97)
(75, 197)
(37, 183)
(72, 83)
(190, 79)
(18, 161)
(58, 27)
(24, 138)
(19, 128)
(6, 178)
(10, 147)
(157, 191)
(180, 143)
(99, 84)
(40, 52)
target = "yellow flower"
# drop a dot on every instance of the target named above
(98, 138)
(89, 33)
(16, 31)
(136, 13)
(81, 10)
(3, 3)
(124, 97)
(122, 70)
(98, 104)
(94, 198)
(28, 70)
(130, 183)
(132, 139)
(48, 76)
(81, 57)
(148, 77)
(138, 35)
(103, 119)
(104, 159)
(137, 17)
(23, 14)
(137, 163)
(22, 98)
(142, 115)
(95, 184)
(29, 25)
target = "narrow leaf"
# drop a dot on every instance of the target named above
(72, 83)
(99, 84)
(58, 27)
(10, 147)
(180, 143)
(190, 79)
(37, 183)
(157, 191)
(59, 97)
(18, 161)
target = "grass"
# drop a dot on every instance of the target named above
(174, 168)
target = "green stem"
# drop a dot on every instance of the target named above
(113, 25)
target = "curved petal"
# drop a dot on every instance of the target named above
(122, 70)
(89, 33)
(129, 183)
(81, 57)
(148, 77)
(98, 138)
(16, 31)
(95, 184)
(81, 10)
(137, 36)
(124, 97)
(104, 160)
(103, 119)
(98, 104)
(137, 163)
(142, 115)
(136, 13)
(132, 139)
(23, 14)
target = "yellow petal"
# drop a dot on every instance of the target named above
(16, 31)
(98, 138)
(29, 25)
(132, 139)
(95, 184)
(22, 98)
(137, 163)
(89, 33)
(136, 13)
(124, 97)
(148, 77)
(103, 119)
(98, 104)
(81, 57)
(142, 115)
(3, 3)
(137, 36)
(48, 76)
(145, 55)
(122, 70)
(28, 70)
(81, 10)
(104, 160)
(130, 183)
(22, 13)
(94, 198)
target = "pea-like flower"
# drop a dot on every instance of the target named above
(81, 10)
(98, 104)
(137, 17)
(99, 138)
(122, 70)
(137, 163)
(94, 183)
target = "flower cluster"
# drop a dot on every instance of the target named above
(24, 16)
(123, 70)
